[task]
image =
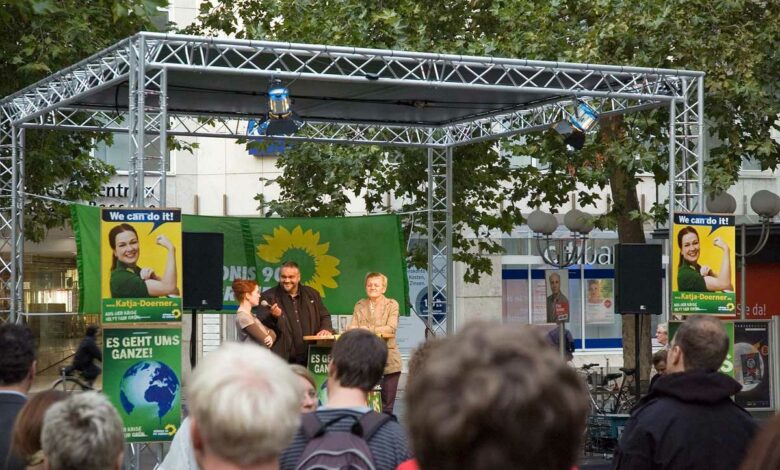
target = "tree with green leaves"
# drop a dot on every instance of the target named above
(38, 38)
(734, 42)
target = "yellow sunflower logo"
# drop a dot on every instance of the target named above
(318, 269)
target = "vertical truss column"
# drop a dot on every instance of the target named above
(148, 128)
(440, 291)
(11, 220)
(686, 175)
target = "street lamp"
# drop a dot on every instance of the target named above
(544, 224)
(764, 203)
(566, 252)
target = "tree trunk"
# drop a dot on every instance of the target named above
(625, 200)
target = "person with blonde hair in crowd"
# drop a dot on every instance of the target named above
(181, 455)
(306, 381)
(82, 432)
(244, 408)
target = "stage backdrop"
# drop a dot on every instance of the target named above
(335, 254)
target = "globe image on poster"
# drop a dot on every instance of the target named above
(148, 389)
(748, 366)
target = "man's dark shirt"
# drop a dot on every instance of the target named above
(10, 405)
(302, 315)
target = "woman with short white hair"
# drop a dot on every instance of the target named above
(379, 314)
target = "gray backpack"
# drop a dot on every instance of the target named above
(339, 450)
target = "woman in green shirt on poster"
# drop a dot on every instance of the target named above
(692, 277)
(130, 281)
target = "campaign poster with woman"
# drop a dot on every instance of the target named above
(141, 265)
(703, 274)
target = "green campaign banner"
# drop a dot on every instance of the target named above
(703, 275)
(335, 254)
(140, 265)
(728, 364)
(142, 378)
(318, 360)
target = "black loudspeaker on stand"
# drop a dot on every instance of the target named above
(202, 261)
(638, 288)
(638, 279)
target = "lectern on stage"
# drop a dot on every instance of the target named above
(317, 363)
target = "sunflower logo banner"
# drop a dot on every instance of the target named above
(334, 255)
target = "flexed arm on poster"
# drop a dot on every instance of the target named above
(722, 280)
(165, 285)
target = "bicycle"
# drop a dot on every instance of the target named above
(68, 382)
(609, 402)
(622, 401)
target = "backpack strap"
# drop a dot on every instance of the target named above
(311, 425)
(370, 423)
(314, 427)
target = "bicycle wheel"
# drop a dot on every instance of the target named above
(69, 384)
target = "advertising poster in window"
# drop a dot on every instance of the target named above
(557, 303)
(142, 378)
(600, 302)
(141, 265)
(703, 269)
(752, 363)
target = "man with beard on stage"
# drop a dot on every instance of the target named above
(295, 311)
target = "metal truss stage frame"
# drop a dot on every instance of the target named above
(152, 86)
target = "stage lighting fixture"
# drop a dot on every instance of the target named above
(584, 117)
(280, 115)
(577, 125)
(279, 105)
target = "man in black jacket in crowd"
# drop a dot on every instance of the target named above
(688, 419)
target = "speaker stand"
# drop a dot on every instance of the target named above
(194, 338)
(637, 361)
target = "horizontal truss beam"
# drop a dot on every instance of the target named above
(294, 61)
(227, 126)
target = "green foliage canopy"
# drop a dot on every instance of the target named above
(38, 38)
(734, 42)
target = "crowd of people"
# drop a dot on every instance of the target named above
(491, 396)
